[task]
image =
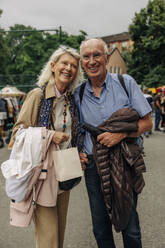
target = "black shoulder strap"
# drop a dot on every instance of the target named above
(121, 79)
(81, 92)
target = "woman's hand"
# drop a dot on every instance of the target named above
(60, 137)
(83, 160)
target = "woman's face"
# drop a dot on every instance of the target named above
(65, 69)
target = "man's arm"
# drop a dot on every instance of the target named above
(110, 139)
(144, 124)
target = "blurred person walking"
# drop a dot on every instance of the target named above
(158, 110)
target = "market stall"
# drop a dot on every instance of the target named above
(11, 91)
(159, 88)
(10, 104)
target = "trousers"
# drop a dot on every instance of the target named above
(102, 227)
(50, 223)
(157, 118)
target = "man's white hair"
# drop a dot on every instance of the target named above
(47, 75)
(95, 39)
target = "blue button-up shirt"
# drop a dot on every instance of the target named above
(94, 110)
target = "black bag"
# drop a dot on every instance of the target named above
(69, 184)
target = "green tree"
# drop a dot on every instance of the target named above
(30, 49)
(20, 54)
(147, 63)
(4, 55)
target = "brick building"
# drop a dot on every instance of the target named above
(116, 43)
(116, 63)
(119, 41)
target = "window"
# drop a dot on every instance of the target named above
(113, 46)
(124, 44)
(118, 70)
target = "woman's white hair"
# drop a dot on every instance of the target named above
(48, 76)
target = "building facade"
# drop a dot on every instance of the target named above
(116, 44)
(120, 41)
(116, 63)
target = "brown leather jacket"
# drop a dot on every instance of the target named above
(120, 167)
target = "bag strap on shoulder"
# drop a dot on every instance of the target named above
(81, 92)
(121, 79)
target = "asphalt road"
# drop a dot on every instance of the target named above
(79, 234)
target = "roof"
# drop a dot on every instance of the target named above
(116, 37)
(114, 50)
(10, 91)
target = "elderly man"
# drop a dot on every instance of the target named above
(103, 95)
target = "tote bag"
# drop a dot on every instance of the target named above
(67, 164)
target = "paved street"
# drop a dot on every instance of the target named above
(79, 230)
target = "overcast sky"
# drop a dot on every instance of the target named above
(96, 17)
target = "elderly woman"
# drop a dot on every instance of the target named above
(52, 106)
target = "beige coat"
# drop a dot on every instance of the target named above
(45, 191)
(47, 187)
(29, 110)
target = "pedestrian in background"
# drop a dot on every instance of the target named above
(158, 110)
(163, 110)
(149, 99)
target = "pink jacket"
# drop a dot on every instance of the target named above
(44, 192)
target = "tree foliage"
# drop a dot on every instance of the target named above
(147, 60)
(4, 51)
(27, 50)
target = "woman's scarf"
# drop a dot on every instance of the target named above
(45, 110)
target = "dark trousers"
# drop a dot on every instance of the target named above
(102, 227)
(157, 118)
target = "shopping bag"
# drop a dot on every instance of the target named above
(67, 167)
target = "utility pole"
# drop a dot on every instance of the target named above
(60, 34)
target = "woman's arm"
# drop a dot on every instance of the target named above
(28, 114)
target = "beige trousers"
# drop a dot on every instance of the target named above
(50, 223)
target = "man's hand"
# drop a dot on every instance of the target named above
(60, 137)
(83, 160)
(110, 139)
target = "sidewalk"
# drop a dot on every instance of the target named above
(151, 205)
(79, 234)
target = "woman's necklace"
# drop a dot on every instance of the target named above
(65, 112)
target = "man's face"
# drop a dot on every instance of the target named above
(94, 59)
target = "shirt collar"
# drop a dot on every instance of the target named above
(104, 85)
(58, 94)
